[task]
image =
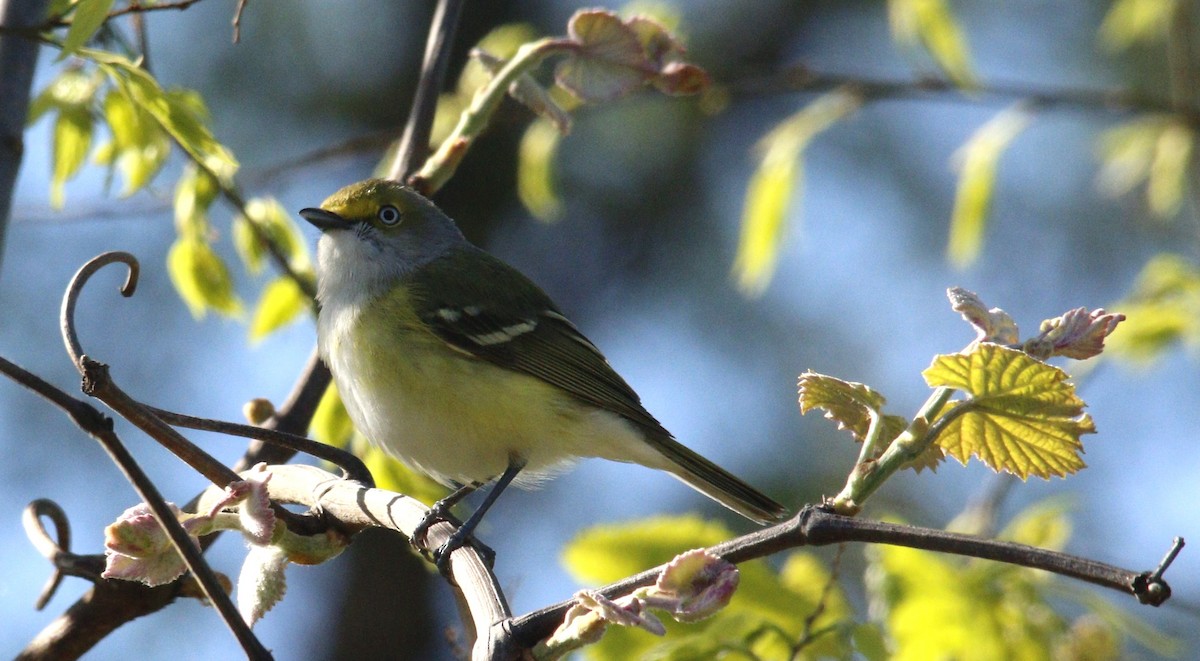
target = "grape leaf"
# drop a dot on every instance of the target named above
(1021, 415)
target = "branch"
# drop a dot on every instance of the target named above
(99, 427)
(18, 58)
(354, 506)
(814, 526)
(414, 144)
(800, 78)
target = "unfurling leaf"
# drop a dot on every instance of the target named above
(930, 23)
(994, 325)
(72, 139)
(977, 160)
(262, 582)
(615, 57)
(609, 65)
(769, 195)
(1077, 334)
(201, 278)
(281, 303)
(847, 403)
(1021, 415)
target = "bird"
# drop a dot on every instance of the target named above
(458, 365)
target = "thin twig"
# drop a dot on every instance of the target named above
(813, 526)
(99, 427)
(414, 143)
(801, 78)
(352, 467)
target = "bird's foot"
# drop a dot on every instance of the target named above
(441, 555)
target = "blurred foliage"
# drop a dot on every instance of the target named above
(769, 196)
(976, 161)
(929, 24)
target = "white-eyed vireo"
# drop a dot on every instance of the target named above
(459, 366)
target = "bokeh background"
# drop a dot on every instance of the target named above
(653, 189)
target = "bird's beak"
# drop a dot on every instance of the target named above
(325, 220)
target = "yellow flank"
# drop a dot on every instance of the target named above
(455, 416)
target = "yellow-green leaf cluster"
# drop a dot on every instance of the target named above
(931, 24)
(765, 618)
(138, 147)
(769, 194)
(201, 278)
(1020, 415)
(1162, 311)
(179, 112)
(977, 160)
(1156, 151)
(70, 95)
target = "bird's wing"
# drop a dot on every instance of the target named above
(492, 312)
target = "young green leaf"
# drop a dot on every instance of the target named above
(847, 403)
(535, 171)
(977, 160)
(180, 113)
(331, 423)
(282, 302)
(72, 139)
(87, 18)
(194, 194)
(769, 195)
(272, 220)
(201, 278)
(931, 24)
(139, 146)
(1021, 415)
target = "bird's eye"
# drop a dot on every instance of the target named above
(389, 215)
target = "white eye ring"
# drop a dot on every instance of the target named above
(389, 215)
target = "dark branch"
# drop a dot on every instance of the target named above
(813, 526)
(99, 427)
(414, 144)
(800, 78)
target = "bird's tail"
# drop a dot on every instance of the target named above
(719, 484)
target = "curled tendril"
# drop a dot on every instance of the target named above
(51, 549)
(67, 315)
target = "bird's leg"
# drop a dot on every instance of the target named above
(441, 557)
(440, 511)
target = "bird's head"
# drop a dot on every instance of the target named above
(374, 233)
